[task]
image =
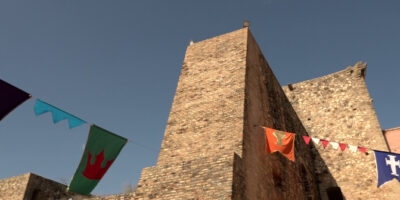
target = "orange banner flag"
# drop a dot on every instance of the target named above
(280, 141)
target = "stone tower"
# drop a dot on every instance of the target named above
(337, 107)
(211, 147)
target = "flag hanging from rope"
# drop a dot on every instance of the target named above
(58, 114)
(387, 166)
(306, 139)
(10, 98)
(315, 140)
(102, 148)
(280, 141)
(342, 146)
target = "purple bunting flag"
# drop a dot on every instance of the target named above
(10, 98)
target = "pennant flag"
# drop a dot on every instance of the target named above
(58, 115)
(306, 139)
(280, 141)
(362, 149)
(353, 148)
(315, 140)
(387, 166)
(102, 148)
(325, 143)
(10, 98)
(335, 145)
(342, 146)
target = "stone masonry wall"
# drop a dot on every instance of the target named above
(226, 87)
(205, 125)
(208, 103)
(338, 108)
(33, 187)
(272, 176)
(13, 188)
(39, 188)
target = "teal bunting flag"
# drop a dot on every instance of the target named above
(58, 114)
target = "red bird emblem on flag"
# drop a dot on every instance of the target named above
(95, 172)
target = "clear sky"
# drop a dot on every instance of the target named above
(117, 63)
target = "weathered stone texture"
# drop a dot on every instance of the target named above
(225, 88)
(32, 187)
(13, 188)
(205, 125)
(338, 108)
(205, 178)
(392, 137)
(208, 103)
(272, 176)
(40, 188)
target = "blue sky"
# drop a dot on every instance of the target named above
(117, 63)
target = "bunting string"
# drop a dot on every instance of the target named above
(102, 145)
(12, 97)
(58, 115)
(283, 142)
(334, 145)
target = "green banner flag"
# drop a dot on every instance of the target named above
(102, 148)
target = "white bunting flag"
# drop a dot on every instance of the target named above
(315, 140)
(335, 145)
(353, 148)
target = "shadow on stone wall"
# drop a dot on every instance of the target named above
(272, 176)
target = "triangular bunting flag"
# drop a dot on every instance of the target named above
(10, 98)
(363, 149)
(58, 114)
(387, 165)
(102, 148)
(315, 140)
(325, 143)
(306, 139)
(342, 146)
(334, 145)
(280, 141)
(353, 148)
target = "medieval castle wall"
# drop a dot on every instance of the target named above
(33, 187)
(338, 107)
(272, 176)
(14, 187)
(205, 124)
(211, 149)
